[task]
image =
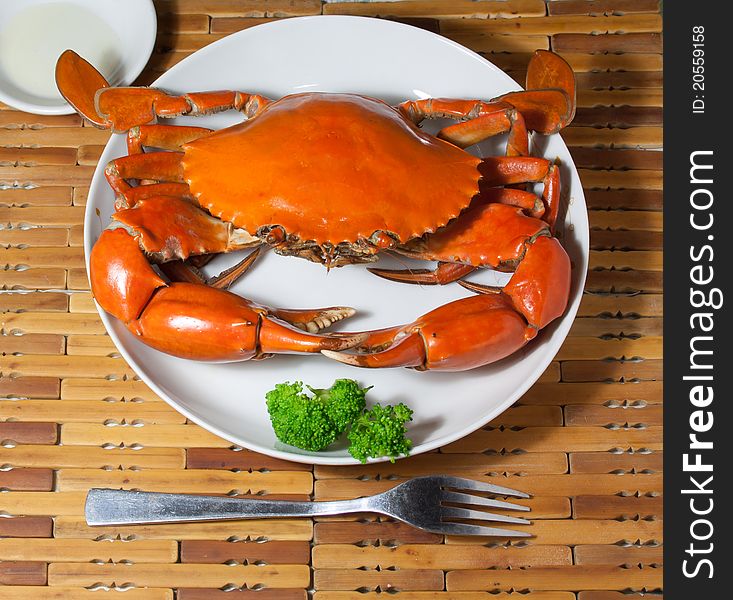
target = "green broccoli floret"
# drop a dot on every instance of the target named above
(380, 432)
(344, 400)
(312, 423)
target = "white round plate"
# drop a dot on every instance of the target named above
(386, 60)
(121, 34)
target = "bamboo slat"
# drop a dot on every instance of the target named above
(22, 573)
(284, 552)
(179, 575)
(23, 592)
(59, 457)
(32, 301)
(242, 460)
(67, 550)
(32, 343)
(427, 556)
(441, 9)
(91, 411)
(150, 436)
(39, 196)
(617, 507)
(361, 534)
(261, 594)
(624, 199)
(575, 577)
(122, 389)
(12, 433)
(344, 579)
(465, 465)
(27, 504)
(596, 554)
(633, 43)
(250, 8)
(543, 439)
(52, 322)
(170, 22)
(615, 462)
(26, 527)
(607, 394)
(601, 7)
(32, 480)
(636, 416)
(190, 480)
(452, 595)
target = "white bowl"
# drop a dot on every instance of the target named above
(125, 30)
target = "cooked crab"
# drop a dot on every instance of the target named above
(335, 178)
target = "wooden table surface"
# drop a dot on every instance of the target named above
(585, 440)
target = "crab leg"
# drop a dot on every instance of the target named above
(497, 171)
(188, 271)
(479, 330)
(444, 273)
(486, 235)
(121, 109)
(493, 231)
(166, 137)
(130, 196)
(485, 119)
(170, 228)
(547, 105)
(162, 167)
(527, 201)
(156, 166)
(503, 119)
(189, 320)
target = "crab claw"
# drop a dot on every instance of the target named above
(78, 82)
(204, 323)
(548, 104)
(190, 320)
(457, 336)
(476, 331)
(548, 70)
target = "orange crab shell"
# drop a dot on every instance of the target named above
(330, 169)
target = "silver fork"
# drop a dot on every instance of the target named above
(423, 502)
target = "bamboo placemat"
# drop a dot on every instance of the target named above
(586, 440)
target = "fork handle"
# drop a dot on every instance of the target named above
(121, 507)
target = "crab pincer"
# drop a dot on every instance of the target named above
(475, 331)
(196, 321)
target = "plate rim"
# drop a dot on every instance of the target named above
(313, 459)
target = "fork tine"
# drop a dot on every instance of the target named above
(464, 529)
(453, 512)
(458, 497)
(481, 486)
